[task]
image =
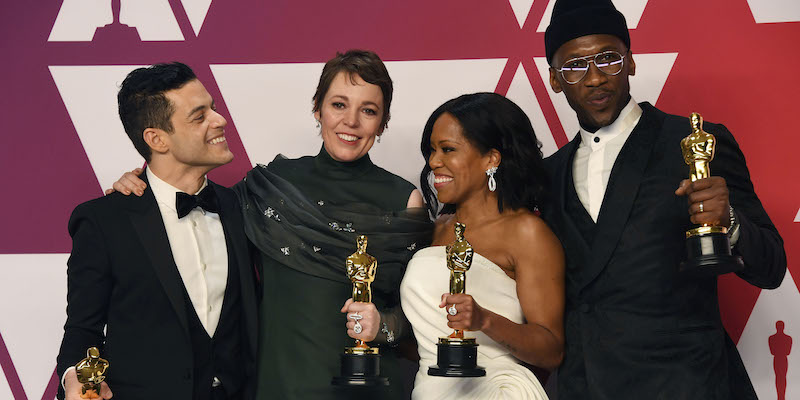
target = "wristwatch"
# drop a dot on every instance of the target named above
(733, 230)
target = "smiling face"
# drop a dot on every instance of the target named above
(350, 117)
(198, 135)
(458, 167)
(598, 98)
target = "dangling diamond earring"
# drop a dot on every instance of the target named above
(492, 183)
(379, 138)
(317, 123)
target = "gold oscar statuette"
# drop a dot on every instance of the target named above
(90, 373)
(698, 151)
(360, 365)
(459, 259)
(707, 246)
(361, 269)
(456, 355)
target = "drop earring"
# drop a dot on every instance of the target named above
(492, 183)
(317, 124)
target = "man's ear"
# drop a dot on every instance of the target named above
(156, 139)
(631, 65)
(554, 83)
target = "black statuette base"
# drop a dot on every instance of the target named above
(457, 360)
(710, 255)
(360, 370)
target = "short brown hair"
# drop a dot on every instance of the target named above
(363, 63)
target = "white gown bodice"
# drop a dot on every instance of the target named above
(425, 280)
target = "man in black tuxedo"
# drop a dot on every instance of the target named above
(163, 284)
(637, 328)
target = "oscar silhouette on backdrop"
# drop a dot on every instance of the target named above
(116, 31)
(780, 345)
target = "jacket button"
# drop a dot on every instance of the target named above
(585, 308)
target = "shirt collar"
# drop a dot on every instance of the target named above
(625, 122)
(164, 192)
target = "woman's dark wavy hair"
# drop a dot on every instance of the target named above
(491, 121)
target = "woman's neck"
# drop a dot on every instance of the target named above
(478, 209)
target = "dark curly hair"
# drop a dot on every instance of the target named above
(143, 104)
(491, 121)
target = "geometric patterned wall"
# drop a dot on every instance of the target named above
(735, 61)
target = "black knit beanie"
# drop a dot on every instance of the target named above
(575, 18)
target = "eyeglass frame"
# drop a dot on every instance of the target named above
(591, 60)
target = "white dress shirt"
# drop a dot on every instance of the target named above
(596, 155)
(199, 249)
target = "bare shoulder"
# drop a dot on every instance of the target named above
(532, 239)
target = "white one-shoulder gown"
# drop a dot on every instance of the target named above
(426, 278)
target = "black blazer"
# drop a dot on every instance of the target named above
(635, 327)
(122, 277)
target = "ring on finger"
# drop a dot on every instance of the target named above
(357, 328)
(355, 317)
(701, 206)
(452, 310)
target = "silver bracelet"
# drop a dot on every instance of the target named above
(734, 226)
(389, 334)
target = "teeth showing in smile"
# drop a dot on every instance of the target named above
(346, 137)
(217, 140)
(442, 179)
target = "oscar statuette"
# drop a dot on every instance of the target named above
(456, 355)
(360, 365)
(707, 246)
(90, 373)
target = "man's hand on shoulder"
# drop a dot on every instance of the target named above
(708, 200)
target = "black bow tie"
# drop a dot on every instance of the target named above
(206, 199)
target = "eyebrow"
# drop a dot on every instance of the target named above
(446, 141)
(200, 108)
(343, 97)
(602, 50)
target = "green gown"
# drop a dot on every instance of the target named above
(303, 216)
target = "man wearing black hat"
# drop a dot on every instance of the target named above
(636, 328)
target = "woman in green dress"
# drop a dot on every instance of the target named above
(302, 217)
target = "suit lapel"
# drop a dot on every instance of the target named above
(146, 220)
(230, 215)
(621, 191)
(564, 177)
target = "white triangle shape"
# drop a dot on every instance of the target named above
(32, 303)
(631, 9)
(769, 11)
(521, 10)
(781, 304)
(196, 10)
(153, 19)
(77, 20)
(797, 217)
(521, 93)
(90, 96)
(652, 71)
(271, 106)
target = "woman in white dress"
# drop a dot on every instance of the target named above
(514, 299)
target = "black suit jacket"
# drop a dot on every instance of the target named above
(635, 327)
(122, 277)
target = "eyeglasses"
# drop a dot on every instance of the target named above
(608, 62)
